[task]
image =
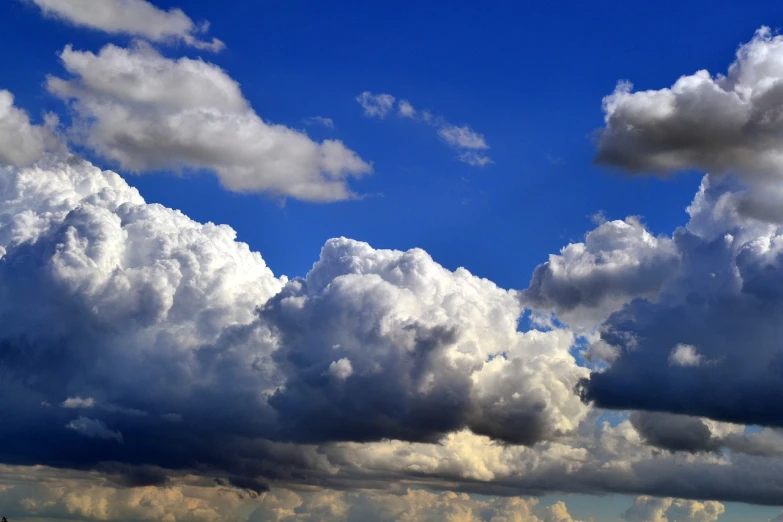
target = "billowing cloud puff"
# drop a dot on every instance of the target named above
(167, 335)
(148, 112)
(648, 509)
(719, 124)
(21, 142)
(707, 342)
(417, 351)
(132, 17)
(617, 262)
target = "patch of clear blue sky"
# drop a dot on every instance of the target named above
(528, 75)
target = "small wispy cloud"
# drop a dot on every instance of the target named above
(320, 120)
(93, 428)
(375, 105)
(462, 138)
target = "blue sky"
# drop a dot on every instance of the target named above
(528, 80)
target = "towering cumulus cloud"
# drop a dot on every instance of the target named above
(695, 318)
(134, 335)
(132, 17)
(148, 112)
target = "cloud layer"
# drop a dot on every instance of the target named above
(146, 346)
(132, 17)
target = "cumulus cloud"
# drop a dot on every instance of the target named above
(467, 142)
(648, 509)
(378, 365)
(178, 336)
(723, 123)
(706, 341)
(694, 313)
(148, 112)
(21, 142)
(132, 17)
(432, 336)
(616, 263)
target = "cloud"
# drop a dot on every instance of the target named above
(462, 137)
(675, 433)
(466, 141)
(617, 261)
(149, 315)
(725, 123)
(44, 493)
(93, 428)
(320, 120)
(341, 369)
(705, 337)
(695, 313)
(78, 402)
(375, 105)
(406, 110)
(647, 509)
(147, 112)
(417, 337)
(132, 17)
(685, 355)
(21, 142)
(244, 377)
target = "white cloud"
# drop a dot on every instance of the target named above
(717, 123)
(685, 355)
(21, 142)
(475, 159)
(151, 313)
(375, 105)
(147, 112)
(462, 137)
(648, 509)
(466, 141)
(617, 261)
(406, 110)
(144, 309)
(341, 369)
(132, 17)
(78, 402)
